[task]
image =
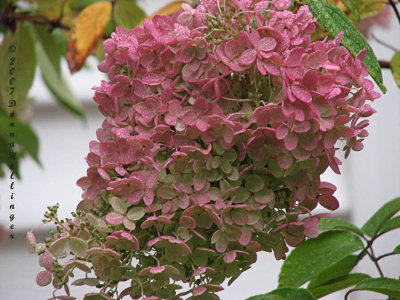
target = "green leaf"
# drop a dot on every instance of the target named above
(49, 62)
(340, 269)
(4, 159)
(17, 65)
(78, 246)
(397, 249)
(23, 135)
(354, 7)
(338, 284)
(61, 40)
(81, 4)
(375, 223)
(338, 224)
(128, 14)
(395, 65)
(334, 21)
(317, 255)
(393, 223)
(266, 297)
(293, 294)
(387, 286)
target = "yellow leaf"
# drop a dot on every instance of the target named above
(395, 64)
(168, 10)
(88, 29)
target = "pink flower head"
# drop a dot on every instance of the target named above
(219, 122)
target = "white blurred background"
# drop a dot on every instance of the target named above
(369, 179)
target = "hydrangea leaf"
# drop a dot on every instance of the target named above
(395, 65)
(88, 29)
(128, 14)
(49, 63)
(375, 223)
(334, 21)
(287, 294)
(58, 247)
(393, 223)
(316, 255)
(386, 286)
(340, 269)
(17, 64)
(397, 249)
(78, 246)
(338, 224)
(338, 284)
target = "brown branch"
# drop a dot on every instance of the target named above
(384, 64)
(33, 19)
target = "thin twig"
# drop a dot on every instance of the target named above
(346, 297)
(386, 255)
(375, 261)
(384, 43)
(396, 11)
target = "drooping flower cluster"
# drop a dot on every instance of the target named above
(218, 124)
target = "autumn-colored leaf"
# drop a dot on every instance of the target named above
(395, 64)
(168, 10)
(88, 29)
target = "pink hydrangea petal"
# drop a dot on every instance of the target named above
(247, 57)
(282, 4)
(291, 141)
(148, 197)
(267, 44)
(44, 278)
(310, 227)
(329, 202)
(232, 49)
(245, 236)
(229, 257)
(202, 125)
(284, 161)
(282, 132)
(114, 218)
(301, 94)
(294, 58)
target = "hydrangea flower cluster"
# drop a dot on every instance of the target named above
(218, 124)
